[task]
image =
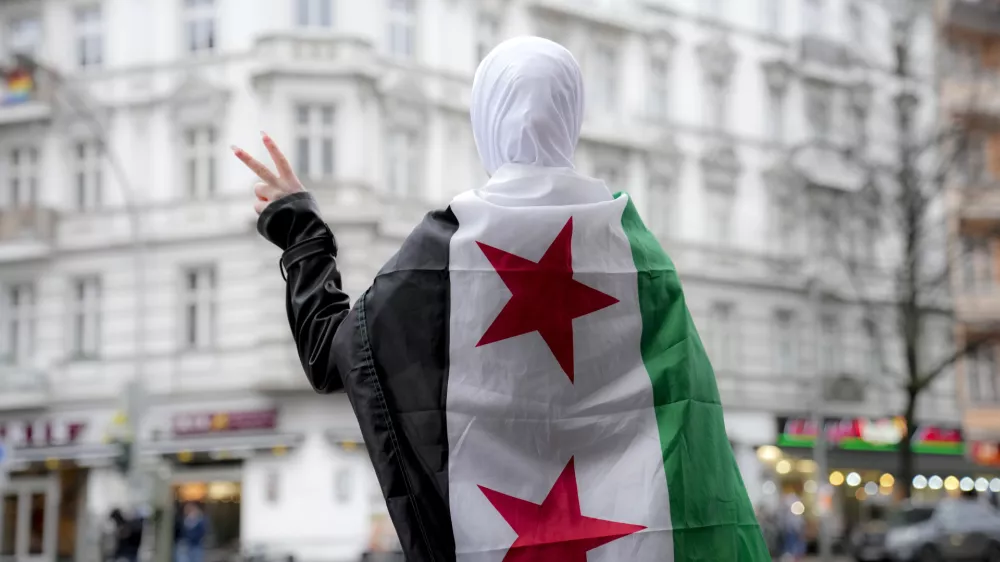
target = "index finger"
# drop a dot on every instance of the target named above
(256, 167)
(284, 168)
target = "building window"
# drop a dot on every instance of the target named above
(717, 103)
(488, 36)
(819, 110)
(24, 35)
(402, 28)
(720, 217)
(612, 174)
(199, 25)
(786, 338)
(199, 161)
(977, 266)
(659, 101)
(89, 36)
(831, 345)
(199, 298)
(272, 484)
(403, 163)
(870, 363)
(22, 176)
(785, 227)
(856, 24)
(773, 11)
(315, 125)
(776, 114)
(714, 8)
(859, 126)
(662, 208)
(724, 333)
(88, 178)
(981, 372)
(604, 79)
(18, 323)
(85, 314)
(812, 16)
(343, 484)
(314, 13)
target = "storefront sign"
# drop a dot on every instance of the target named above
(224, 422)
(40, 433)
(985, 453)
(860, 434)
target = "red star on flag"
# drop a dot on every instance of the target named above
(544, 297)
(555, 530)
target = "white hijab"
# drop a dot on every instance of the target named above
(527, 105)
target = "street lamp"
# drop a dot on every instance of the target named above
(136, 391)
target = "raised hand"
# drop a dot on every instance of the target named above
(271, 187)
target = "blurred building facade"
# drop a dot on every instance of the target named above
(971, 42)
(707, 113)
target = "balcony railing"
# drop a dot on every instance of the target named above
(980, 308)
(971, 95)
(982, 16)
(978, 207)
(22, 388)
(825, 51)
(29, 223)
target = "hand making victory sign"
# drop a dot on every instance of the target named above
(271, 187)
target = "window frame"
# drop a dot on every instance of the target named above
(85, 316)
(88, 36)
(199, 307)
(310, 14)
(21, 179)
(18, 328)
(87, 157)
(402, 22)
(195, 40)
(318, 136)
(406, 165)
(200, 160)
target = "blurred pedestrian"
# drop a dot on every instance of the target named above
(526, 347)
(190, 534)
(128, 536)
(793, 528)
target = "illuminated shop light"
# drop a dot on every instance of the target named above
(853, 479)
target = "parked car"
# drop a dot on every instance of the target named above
(867, 541)
(954, 529)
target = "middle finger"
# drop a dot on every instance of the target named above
(280, 162)
(256, 167)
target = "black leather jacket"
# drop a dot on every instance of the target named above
(389, 353)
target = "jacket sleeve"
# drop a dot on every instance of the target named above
(319, 311)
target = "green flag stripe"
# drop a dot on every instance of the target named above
(709, 508)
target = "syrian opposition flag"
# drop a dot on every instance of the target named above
(573, 415)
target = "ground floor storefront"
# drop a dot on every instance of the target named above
(862, 457)
(283, 475)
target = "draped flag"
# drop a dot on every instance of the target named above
(528, 380)
(582, 412)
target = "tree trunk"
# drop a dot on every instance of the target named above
(904, 480)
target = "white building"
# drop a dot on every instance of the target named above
(693, 107)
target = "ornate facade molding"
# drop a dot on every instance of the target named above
(717, 58)
(721, 168)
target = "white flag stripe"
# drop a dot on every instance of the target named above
(514, 417)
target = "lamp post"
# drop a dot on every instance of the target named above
(136, 394)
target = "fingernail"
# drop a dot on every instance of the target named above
(235, 148)
(263, 135)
